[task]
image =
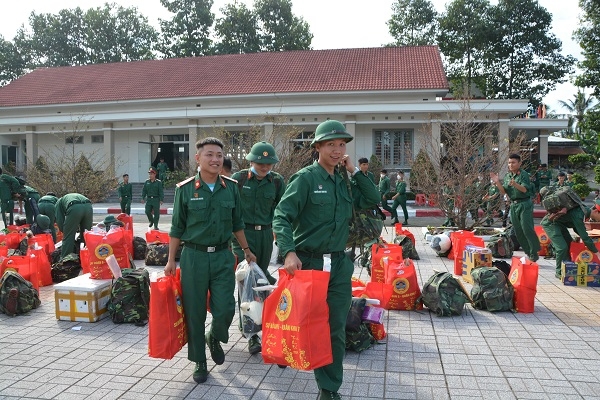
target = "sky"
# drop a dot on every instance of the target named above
(335, 24)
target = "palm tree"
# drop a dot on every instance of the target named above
(577, 107)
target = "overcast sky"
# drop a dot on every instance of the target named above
(334, 23)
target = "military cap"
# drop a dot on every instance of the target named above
(331, 130)
(262, 153)
(152, 170)
(43, 221)
(109, 219)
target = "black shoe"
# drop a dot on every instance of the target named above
(200, 372)
(254, 346)
(150, 225)
(282, 366)
(395, 221)
(328, 395)
(405, 222)
(216, 351)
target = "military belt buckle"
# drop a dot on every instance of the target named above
(211, 249)
(258, 227)
(327, 255)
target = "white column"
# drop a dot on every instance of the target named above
(109, 142)
(434, 152)
(543, 146)
(193, 132)
(503, 143)
(268, 129)
(31, 143)
(350, 124)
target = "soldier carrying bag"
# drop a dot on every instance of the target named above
(559, 200)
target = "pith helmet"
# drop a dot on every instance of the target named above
(43, 221)
(262, 153)
(330, 130)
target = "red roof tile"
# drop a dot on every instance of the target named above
(383, 68)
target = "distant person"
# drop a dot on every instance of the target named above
(400, 199)
(47, 207)
(569, 181)
(227, 166)
(162, 167)
(153, 195)
(125, 194)
(363, 165)
(384, 191)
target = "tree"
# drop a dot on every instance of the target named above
(577, 107)
(280, 29)
(187, 33)
(413, 23)
(11, 64)
(588, 36)
(463, 31)
(237, 30)
(589, 137)
(524, 60)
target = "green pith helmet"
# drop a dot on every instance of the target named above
(262, 153)
(330, 130)
(43, 221)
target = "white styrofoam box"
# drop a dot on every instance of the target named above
(82, 299)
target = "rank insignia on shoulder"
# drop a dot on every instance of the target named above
(229, 179)
(183, 182)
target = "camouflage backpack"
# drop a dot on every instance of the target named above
(360, 339)
(557, 198)
(408, 247)
(491, 290)
(139, 248)
(67, 268)
(130, 297)
(17, 296)
(500, 245)
(444, 295)
(157, 254)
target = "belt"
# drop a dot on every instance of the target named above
(519, 200)
(207, 249)
(124, 196)
(258, 227)
(152, 197)
(319, 255)
(72, 202)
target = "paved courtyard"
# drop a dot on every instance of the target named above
(553, 353)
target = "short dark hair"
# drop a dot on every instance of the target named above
(227, 163)
(384, 171)
(51, 194)
(515, 156)
(124, 175)
(544, 165)
(363, 161)
(401, 172)
(561, 173)
(209, 140)
(569, 172)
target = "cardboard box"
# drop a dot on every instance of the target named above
(475, 257)
(82, 299)
(580, 274)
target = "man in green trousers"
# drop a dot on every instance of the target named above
(312, 220)
(560, 237)
(260, 191)
(47, 206)
(384, 191)
(153, 195)
(7, 203)
(162, 169)
(74, 212)
(400, 199)
(125, 194)
(206, 211)
(518, 187)
(31, 198)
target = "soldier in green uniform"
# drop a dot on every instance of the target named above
(15, 188)
(569, 180)
(384, 191)
(561, 180)
(31, 198)
(363, 165)
(162, 168)
(7, 203)
(543, 176)
(74, 212)
(153, 195)
(312, 220)
(260, 191)
(448, 195)
(400, 199)
(206, 211)
(47, 206)
(492, 200)
(125, 194)
(518, 187)
(558, 232)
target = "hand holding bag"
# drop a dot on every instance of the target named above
(166, 325)
(296, 321)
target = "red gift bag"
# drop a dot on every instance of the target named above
(43, 240)
(295, 321)
(379, 291)
(166, 326)
(543, 239)
(127, 220)
(455, 237)
(458, 246)
(523, 277)
(21, 265)
(579, 252)
(38, 261)
(392, 251)
(156, 236)
(402, 277)
(103, 244)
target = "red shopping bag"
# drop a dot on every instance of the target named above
(43, 240)
(103, 244)
(402, 277)
(156, 236)
(523, 277)
(458, 245)
(295, 321)
(40, 264)
(21, 265)
(543, 239)
(389, 251)
(580, 253)
(166, 326)
(127, 220)
(377, 290)
(455, 237)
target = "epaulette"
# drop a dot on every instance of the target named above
(229, 179)
(183, 182)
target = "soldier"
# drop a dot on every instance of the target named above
(206, 211)
(74, 212)
(260, 191)
(543, 176)
(47, 205)
(518, 187)
(312, 220)
(16, 189)
(492, 202)
(226, 171)
(569, 180)
(31, 198)
(363, 165)
(7, 203)
(561, 180)
(560, 237)
(125, 194)
(153, 196)
(162, 168)
(384, 191)
(400, 199)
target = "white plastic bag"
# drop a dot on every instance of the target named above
(249, 277)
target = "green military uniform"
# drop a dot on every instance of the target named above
(47, 206)
(259, 198)
(153, 195)
(15, 187)
(125, 191)
(560, 236)
(447, 192)
(384, 191)
(312, 219)
(521, 212)
(7, 204)
(31, 208)
(204, 220)
(370, 176)
(74, 212)
(400, 201)
(492, 205)
(162, 168)
(543, 178)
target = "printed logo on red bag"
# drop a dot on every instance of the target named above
(284, 305)
(514, 276)
(400, 285)
(104, 250)
(585, 256)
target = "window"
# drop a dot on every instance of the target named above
(394, 147)
(304, 139)
(74, 139)
(97, 138)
